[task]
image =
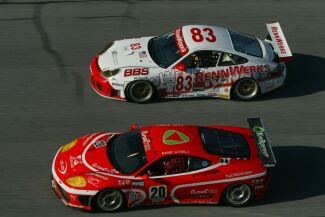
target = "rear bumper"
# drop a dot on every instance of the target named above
(100, 84)
(273, 82)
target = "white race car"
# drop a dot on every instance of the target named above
(192, 61)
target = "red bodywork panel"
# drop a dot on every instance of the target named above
(88, 158)
(100, 84)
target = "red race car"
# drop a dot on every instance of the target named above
(164, 164)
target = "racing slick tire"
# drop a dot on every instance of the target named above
(140, 91)
(109, 200)
(237, 195)
(246, 89)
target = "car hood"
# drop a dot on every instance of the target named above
(88, 155)
(126, 53)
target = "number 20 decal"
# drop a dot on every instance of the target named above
(208, 35)
(158, 193)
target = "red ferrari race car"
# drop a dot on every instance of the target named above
(164, 164)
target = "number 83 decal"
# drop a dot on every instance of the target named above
(184, 83)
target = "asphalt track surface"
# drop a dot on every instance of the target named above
(46, 99)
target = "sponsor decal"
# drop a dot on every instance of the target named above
(180, 41)
(146, 140)
(93, 181)
(231, 175)
(74, 161)
(99, 143)
(206, 193)
(100, 176)
(259, 131)
(138, 183)
(158, 193)
(63, 167)
(91, 136)
(174, 137)
(278, 40)
(212, 94)
(181, 152)
(123, 182)
(111, 171)
(117, 84)
(136, 196)
(259, 187)
(135, 46)
(224, 95)
(142, 54)
(136, 72)
(257, 181)
(231, 71)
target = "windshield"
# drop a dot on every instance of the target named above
(224, 143)
(163, 50)
(126, 152)
(246, 44)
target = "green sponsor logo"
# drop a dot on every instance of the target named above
(174, 137)
(259, 131)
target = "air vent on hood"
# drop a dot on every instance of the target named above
(114, 54)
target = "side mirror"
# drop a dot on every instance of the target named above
(181, 67)
(133, 127)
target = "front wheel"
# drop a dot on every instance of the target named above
(246, 89)
(140, 91)
(109, 200)
(238, 195)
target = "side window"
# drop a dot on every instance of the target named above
(176, 165)
(196, 163)
(228, 59)
(202, 59)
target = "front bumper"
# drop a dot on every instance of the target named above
(77, 198)
(71, 200)
(100, 84)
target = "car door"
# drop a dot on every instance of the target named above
(196, 71)
(170, 180)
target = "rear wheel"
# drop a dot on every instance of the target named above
(238, 195)
(109, 200)
(140, 91)
(246, 89)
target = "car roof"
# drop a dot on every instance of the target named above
(223, 40)
(165, 140)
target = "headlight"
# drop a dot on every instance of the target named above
(68, 146)
(108, 73)
(76, 181)
(106, 48)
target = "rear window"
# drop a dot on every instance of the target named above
(224, 143)
(246, 44)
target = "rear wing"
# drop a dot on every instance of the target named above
(279, 42)
(262, 142)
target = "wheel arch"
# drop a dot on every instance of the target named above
(232, 88)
